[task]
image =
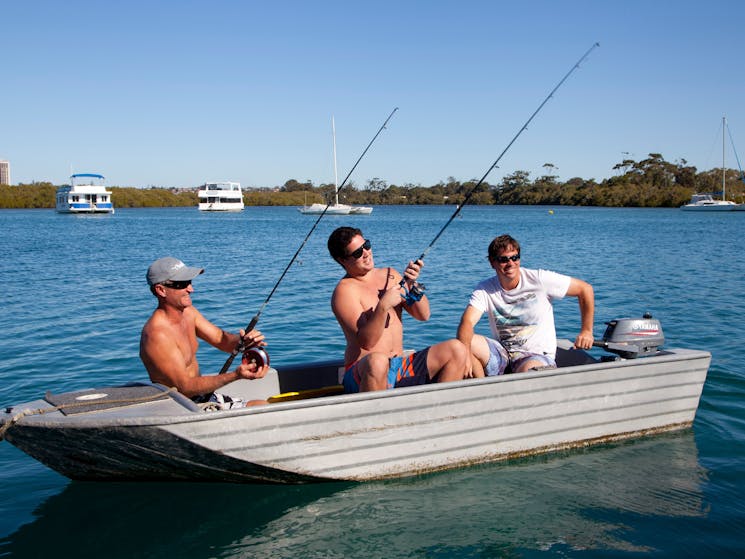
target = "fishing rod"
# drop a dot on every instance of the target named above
(473, 190)
(239, 348)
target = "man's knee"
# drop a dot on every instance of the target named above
(480, 349)
(451, 351)
(460, 353)
(529, 364)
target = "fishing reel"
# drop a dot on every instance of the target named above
(256, 355)
(414, 293)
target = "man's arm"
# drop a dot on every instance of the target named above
(468, 321)
(420, 310)
(222, 340)
(365, 324)
(586, 296)
(165, 364)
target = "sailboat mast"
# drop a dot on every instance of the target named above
(336, 176)
(724, 127)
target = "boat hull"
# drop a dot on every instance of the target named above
(222, 207)
(723, 207)
(395, 433)
(85, 209)
(335, 209)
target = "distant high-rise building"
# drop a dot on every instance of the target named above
(4, 172)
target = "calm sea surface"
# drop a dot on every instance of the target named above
(75, 298)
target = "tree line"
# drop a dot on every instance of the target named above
(649, 182)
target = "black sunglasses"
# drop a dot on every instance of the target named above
(367, 245)
(177, 284)
(505, 259)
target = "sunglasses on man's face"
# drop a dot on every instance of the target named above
(177, 284)
(367, 245)
(505, 259)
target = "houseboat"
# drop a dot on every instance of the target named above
(86, 194)
(220, 197)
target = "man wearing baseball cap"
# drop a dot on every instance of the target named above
(168, 342)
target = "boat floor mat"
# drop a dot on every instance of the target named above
(97, 399)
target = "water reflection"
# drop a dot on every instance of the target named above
(576, 501)
(579, 501)
(127, 520)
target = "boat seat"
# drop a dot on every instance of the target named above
(566, 356)
(109, 397)
(256, 389)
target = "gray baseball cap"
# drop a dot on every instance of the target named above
(169, 268)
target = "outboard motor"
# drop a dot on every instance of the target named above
(632, 337)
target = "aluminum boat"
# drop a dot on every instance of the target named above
(309, 431)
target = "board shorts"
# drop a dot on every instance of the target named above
(501, 361)
(402, 371)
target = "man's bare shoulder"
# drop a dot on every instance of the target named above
(346, 289)
(160, 323)
(156, 330)
(374, 279)
(154, 322)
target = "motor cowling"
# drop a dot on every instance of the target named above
(633, 337)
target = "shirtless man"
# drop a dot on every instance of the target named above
(368, 303)
(168, 343)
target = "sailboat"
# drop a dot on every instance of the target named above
(336, 208)
(704, 202)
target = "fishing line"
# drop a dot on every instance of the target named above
(742, 175)
(471, 192)
(240, 347)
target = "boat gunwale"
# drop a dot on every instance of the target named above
(101, 420)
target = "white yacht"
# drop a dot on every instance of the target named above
(336, 208)
(704, 202)
(332, 209)
(220, 197)
(86, 194)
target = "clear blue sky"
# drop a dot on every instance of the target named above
(176, 93)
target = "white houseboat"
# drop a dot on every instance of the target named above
(86, 194)
(220, 197)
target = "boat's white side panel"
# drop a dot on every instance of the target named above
(719, 207)
(406, 431)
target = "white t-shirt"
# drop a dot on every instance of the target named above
(522, 319)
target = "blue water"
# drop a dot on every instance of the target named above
(75, 298)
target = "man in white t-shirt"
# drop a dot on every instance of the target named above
(519, 302)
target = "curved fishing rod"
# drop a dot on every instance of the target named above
(471, 192)
(240, 347)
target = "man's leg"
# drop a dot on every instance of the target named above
(479, 355)
(528, 361)
(491, 354)
(447, 361)
(373, 370)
